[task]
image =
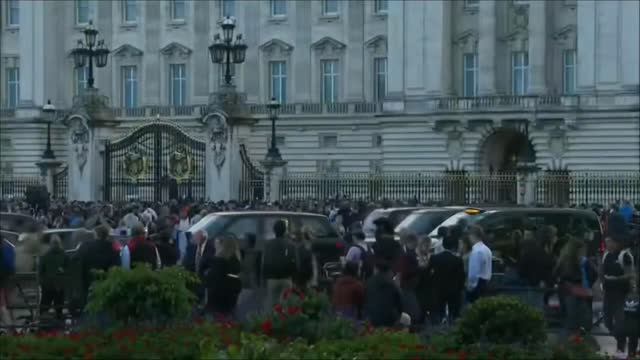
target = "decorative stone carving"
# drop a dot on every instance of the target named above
(231, 102)
(518, 36)
(80, 139)
(276, 48)
(328, 46)
(181, 164)
(557, 142)
(455, 146)
(176, 50)
(218, 132)
(93, 107)
(127, 50)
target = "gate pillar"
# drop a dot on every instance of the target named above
(88, 117)
(527, 175)
(225, 123)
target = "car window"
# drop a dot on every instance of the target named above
(318, 227)
(396, 217)
(242, 226)
(212, 224)
(451, 218)
(368, 227)
(270, 221)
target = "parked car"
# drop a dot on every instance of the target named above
(422, 222)
(395, 216)
(18, 223)
(499, 223)
(327, 246)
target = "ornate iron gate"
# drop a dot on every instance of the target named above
(157, 162)
(252, 181)
(61, 184)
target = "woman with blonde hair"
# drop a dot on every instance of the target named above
(576, 277)
(223, 279)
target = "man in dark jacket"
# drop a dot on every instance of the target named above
(448, 277)
(97, 255)
(51, 271)
(142, 250)
(383, 301)
(278, 264)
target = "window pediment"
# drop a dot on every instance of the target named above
(127, 50)
(175, 49)
(566, 33)
(10, 60)
(276, 48)
(328, 45)
(377, 44)
(518, 39)
(467, 40)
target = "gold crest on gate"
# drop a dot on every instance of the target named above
(180, 165)
(136, 165)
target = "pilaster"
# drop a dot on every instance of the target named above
(537, 47)
(487, 47)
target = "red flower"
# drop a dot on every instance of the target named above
(286, 293)
(227, 340)
(68, 351)
(416, 357)
(339, 245)
(87, 355)
(277, 308)
(24, 347)
(266, 326)
(199, 320)
(462, 355)
(577, 340)
(420, 347)
(293, 310)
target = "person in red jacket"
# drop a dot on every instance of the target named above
(348, 293)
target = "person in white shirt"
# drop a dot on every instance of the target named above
(479, 265)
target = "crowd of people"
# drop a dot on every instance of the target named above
(387, 283)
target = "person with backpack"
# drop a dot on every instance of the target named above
(7, 270)
(361, 255)
(278, 265)
(619, 284)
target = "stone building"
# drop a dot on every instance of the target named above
(366, 86)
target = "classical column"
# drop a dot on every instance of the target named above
(355, 51)
(438, 44)
(537, 47)
(630, 45)
(396, 48)
(27, 53)
(416, 73)
(586, 45)
(487, 47)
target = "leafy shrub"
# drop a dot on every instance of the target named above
(303, 316)
(501, 320)
(142, 294)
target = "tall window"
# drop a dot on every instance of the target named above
(129, 86)
(228, 8)
(178, 9)
(82, 75)
(380, 78)
(470, 75)
(278, 7)
(569, 72)
(330, 7)
(178, 84)
(13, 13)
(129, 11)
(329, 81)
(278, 71)
(381, 6)
(519, 72)
(82, 12)
(13, 86)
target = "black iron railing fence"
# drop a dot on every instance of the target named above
(16, 187)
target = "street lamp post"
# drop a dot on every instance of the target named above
(48, 111)
(88, 51)
(48, 163)
(273, 159)
(225, 51)
(273, 153)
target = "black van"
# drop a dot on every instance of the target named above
(327, 246)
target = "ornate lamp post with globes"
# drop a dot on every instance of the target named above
(88, 51)
(225, 51)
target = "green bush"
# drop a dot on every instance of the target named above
(303, 316)
(501, 320)
(141, 294)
